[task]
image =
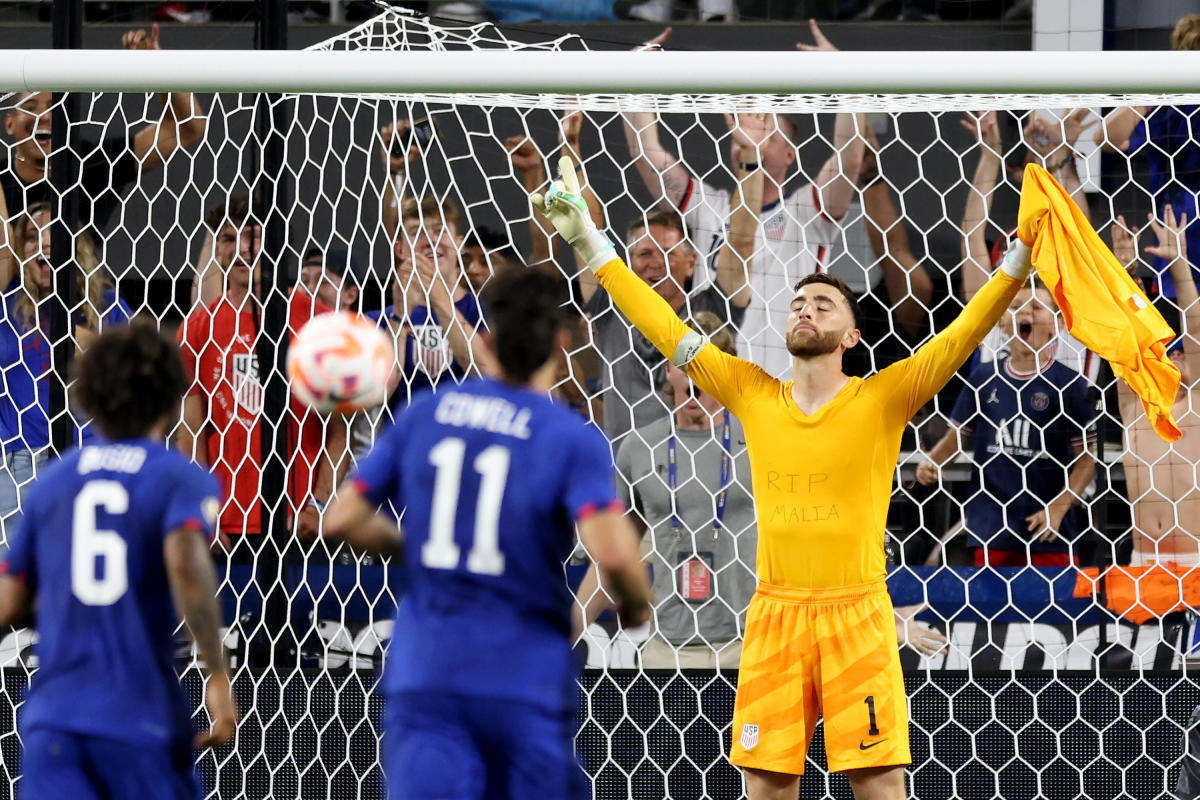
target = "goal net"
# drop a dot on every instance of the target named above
(1040, 541)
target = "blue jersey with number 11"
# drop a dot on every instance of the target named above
(490, 479)
(90, 547)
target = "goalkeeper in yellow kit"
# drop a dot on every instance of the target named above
(820, 636)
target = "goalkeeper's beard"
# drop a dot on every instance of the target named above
(810, 344)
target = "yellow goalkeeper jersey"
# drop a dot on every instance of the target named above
(822, 482)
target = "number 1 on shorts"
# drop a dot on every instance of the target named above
(870, 701)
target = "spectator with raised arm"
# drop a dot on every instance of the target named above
(1160, 477)
(107, 168)
(1168, 139)
(434, 314)
(223, 408)
(896, 310)
(398, 150)
(799, 225)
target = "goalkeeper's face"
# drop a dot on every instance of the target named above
(28, 124)
(820, 322)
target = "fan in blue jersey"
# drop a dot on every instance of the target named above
(1030, 424)
(491, 478)
(111, 534)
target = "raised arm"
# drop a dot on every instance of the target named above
(396, 158)
(909, 287)
(1053, 141)
(720, 374)
(194, 586)
(839, 174)
(1117, 127)
(569, 138)
(527, 162)
(661, 170)
(735, 262)
(976, 260)
(208, 282)
(1172, 247)
(922, 375)
(183, 122)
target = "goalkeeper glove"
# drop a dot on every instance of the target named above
(564, 206)
(1018, 260)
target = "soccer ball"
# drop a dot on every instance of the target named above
(340, 362)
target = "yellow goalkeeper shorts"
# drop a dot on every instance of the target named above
(809, 652)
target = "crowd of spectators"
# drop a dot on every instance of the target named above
(727, 258)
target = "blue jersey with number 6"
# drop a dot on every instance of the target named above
(490, 479)
(90, 548)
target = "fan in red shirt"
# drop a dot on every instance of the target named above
(224, 405)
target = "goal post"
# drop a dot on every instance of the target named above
(1041, 690)
(605, 72)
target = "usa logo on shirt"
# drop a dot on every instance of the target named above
(431, 349)
(776, 226)
(247, 391)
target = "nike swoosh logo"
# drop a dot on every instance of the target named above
(862, 746)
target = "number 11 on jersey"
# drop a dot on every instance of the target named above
(440, 551)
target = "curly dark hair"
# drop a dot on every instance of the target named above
(525, 311)
(128, 379)
(826, 279)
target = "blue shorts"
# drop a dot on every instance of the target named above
(449, 747)
(62, 764)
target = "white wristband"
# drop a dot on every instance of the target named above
(1018, 261)
(595, 248)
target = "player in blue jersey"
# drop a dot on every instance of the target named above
(492, 478)
(112, 533)
(1030, 426)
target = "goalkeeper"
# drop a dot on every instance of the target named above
(820, 636)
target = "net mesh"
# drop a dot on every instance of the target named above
(1037, 693)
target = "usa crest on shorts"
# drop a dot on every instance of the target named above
(749, 738)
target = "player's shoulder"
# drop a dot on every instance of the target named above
(54, 479)
(174, 463)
